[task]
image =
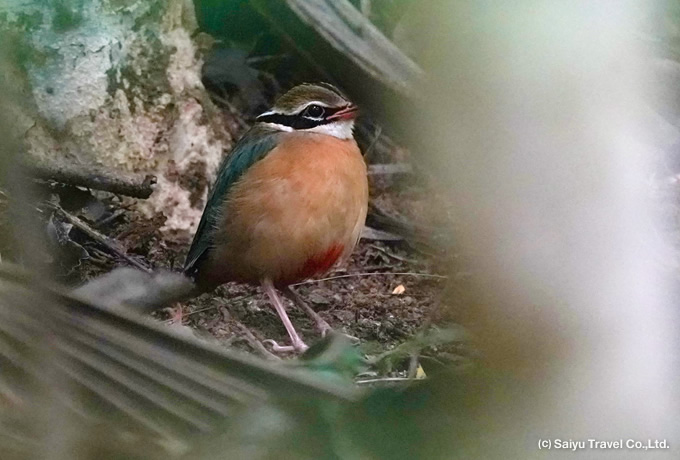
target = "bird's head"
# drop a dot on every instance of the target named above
(319, 108)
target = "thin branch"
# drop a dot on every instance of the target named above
(255, 343)
(134, 186)
(110, 244)
(213, 307)
(355, 275)
(386, 380)
(393, 255)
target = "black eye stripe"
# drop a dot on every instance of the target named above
(298, 121)
(293, 121)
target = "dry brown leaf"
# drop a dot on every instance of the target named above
(399, 290)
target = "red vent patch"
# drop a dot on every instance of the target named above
(321, 263)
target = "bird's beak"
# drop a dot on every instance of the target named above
(348, 113)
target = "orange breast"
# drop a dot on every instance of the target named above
(295, 213)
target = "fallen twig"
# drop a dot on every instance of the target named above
(114, 215)
(134, 186)
(387, 380)
(110, 244)
(355, 275)
(212, 307)
(255, 343)
(393, 255)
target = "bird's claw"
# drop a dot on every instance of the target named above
(276, 348)
(324, 329)
(353, 340)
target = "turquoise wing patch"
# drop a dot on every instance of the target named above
(252, 147)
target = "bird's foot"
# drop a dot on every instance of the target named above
(298, 347)
(320, 324)
(176, 315)
(325, 329)
(352, 339)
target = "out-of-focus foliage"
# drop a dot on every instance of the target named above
(108, 373)
(230, 20)
(666, 26)
(17, 112)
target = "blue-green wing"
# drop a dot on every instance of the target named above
(252, 147)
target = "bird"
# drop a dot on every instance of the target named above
(289, 201)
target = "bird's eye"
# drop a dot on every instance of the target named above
(314, 111)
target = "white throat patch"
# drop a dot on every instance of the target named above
(342, 129)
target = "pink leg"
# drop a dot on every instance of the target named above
(297, 343)
(176, 315)
(321, 324)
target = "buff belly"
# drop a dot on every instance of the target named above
(294, 214)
